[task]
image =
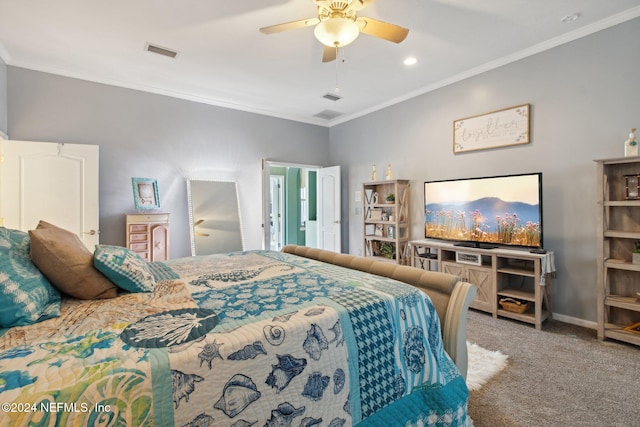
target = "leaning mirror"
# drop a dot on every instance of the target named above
(214, 216)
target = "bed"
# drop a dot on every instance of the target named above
(300, 337)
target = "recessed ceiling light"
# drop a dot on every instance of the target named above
(570, 18)
(410, 61)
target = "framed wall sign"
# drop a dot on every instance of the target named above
(145, 193)
(490, 130)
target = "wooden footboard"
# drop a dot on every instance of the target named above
(450, 296)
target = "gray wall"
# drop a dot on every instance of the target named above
(584, 96)
(153, 136)
(3, 96)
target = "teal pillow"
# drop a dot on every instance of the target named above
(124, 267)
(26, 296)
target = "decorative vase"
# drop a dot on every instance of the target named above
(631, 144)
(391, 232)
(635, 258)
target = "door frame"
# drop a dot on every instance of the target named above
(266, 179)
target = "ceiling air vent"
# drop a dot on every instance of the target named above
(160, 50)
(328, 114)
(331, 97)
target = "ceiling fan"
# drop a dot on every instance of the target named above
(337, 25)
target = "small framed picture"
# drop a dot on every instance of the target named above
(467, 258)
(376, 215)
(379, 230)
(632, 184)
(145, 193)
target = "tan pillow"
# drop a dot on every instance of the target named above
(62, 257)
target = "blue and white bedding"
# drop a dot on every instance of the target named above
(248, 338)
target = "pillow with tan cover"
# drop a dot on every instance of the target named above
(62, 257)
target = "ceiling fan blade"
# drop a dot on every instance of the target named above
(309, 22)
(203, 234)
(329, 54)
(198, 222)
(384, 30)
(360, 4)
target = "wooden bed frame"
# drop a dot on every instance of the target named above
(450, 296)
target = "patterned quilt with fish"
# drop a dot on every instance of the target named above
(252, 338)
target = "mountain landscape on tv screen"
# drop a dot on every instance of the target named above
(489, 219)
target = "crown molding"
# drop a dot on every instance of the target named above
(535, 49)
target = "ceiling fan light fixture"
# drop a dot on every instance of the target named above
(336, 32)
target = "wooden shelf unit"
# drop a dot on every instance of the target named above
(393, 226)
(618, 279)
(499, 273)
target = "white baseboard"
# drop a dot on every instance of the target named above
(574, 321)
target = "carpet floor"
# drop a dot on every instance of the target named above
(559, 376)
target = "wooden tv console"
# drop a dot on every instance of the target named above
(497, 273)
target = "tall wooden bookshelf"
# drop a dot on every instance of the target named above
(618, 278)
(386, 222)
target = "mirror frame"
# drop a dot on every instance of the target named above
(190, 209)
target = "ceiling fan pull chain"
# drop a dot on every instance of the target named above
(337, 89)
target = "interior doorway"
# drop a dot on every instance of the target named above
(301, 205)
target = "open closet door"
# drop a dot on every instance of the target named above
(54, 182)
(329, 208)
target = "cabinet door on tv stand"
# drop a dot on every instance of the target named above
(483, 278)
(455, 269)
(479, 276)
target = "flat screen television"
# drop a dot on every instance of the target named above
(486, 212)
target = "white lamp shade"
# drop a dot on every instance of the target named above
(336, 32)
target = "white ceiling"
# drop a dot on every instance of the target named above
(224, 60)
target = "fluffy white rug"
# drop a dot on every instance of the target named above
(483, 364)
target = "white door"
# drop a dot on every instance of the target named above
(329, 219)
(277, 210)
(57, 183)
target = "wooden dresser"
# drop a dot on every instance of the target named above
(148, 235)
